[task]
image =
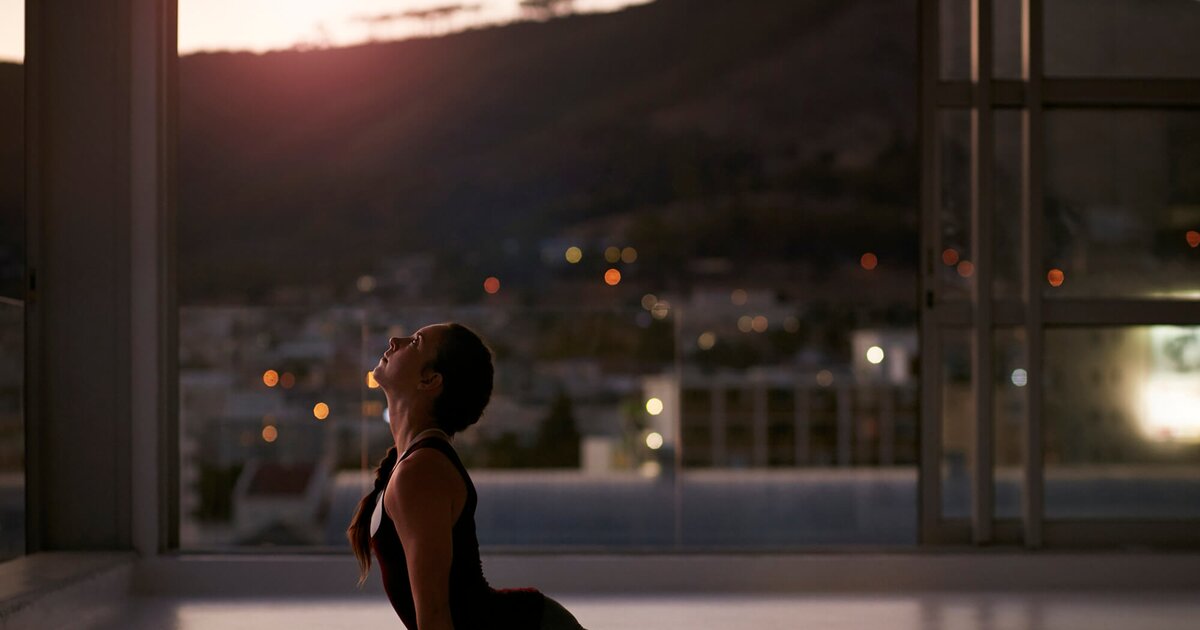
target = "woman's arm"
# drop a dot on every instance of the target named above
(421, 501)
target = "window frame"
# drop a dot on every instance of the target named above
(983, 313)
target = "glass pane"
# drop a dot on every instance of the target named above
(1006, 282)
(567, 435)
(955, 269)
(266, 397)
(1009, 417)
(955, 39)
(12, 152)
(705, 336)
(958, 425)
(1122, 206)
(1122, 38)
(12, 429)
(1122, 436)
(1006, 33)
(12, 279)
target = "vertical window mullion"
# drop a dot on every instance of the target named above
(1032, 166)
(982, 206)
(929, 458)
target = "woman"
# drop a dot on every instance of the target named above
(420, 517)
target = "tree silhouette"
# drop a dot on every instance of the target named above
(557, 444)
(434, 17)
(546, 9)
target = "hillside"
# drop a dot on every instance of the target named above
(307, 166)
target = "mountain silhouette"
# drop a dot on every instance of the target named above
(308, 166)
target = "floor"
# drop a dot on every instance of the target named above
(987, 611)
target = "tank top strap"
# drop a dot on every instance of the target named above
(446, 448)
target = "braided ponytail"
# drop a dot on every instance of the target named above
(359, 531)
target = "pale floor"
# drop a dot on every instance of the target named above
(986, 611)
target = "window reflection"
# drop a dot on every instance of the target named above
(1122, 38)
(1122, 433)
(1122, 195)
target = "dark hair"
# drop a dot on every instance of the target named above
(359, 531)
(465, 364)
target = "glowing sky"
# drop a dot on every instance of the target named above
(260, 25)
(12, 30)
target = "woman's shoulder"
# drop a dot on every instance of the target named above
(423, 465)
(425, 471)
(426, 475)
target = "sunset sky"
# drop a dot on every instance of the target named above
(260, 25)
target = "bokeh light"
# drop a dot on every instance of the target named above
(745, 323)
(492, 285)
(654, 440)
(270, 378)
(1055, 277)
(649, 300)
(875, 355)
(824, 378)
(612, 277)
(366, 284)
(738, 297)
(612, 254)
(759, 323)
(320, 411)
(628, 255)
(1193, 238)
(270, 433)
(660, 310)
(869, 261)
(950, 257)
(287, 380)
(706, 340)
(966, 268)
(1019, 377)
(574, 254)
(654, 406)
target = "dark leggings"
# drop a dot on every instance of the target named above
(555, 617)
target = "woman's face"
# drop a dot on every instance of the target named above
(400, 367)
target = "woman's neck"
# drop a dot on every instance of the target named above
(408, 422)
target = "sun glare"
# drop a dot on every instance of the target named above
(262, 25)
(12, 30)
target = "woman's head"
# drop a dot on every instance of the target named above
(448, 365)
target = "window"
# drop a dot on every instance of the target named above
(1062, 140)
(1122, 438)
(690, 240)
(12, 279)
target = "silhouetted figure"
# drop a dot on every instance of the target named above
(420, 517)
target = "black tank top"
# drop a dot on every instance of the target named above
(473, 603)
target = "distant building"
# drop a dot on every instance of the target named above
(277, 503)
